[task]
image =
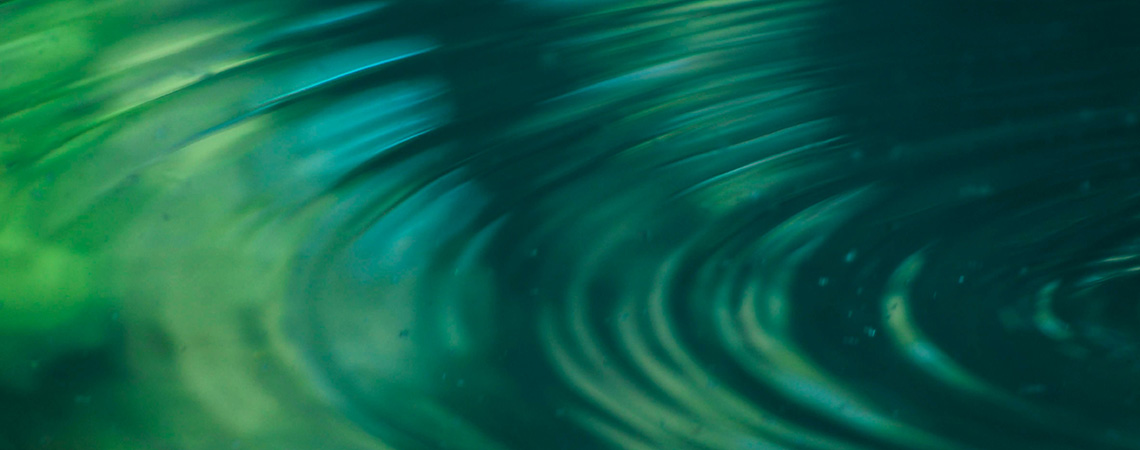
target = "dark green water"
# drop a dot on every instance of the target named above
(544, 224)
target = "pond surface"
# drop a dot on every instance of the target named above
(540, 224)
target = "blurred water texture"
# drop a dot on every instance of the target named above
(546, 224)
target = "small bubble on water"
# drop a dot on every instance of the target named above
(823, 281)
(870, 331)
(961, 279)
(850, 256)
(976, 190)
(897, 152)
(549, 58)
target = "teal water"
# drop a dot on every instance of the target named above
(540, 224)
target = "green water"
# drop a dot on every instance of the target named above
(542, 224)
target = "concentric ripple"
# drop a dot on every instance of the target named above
(572, 225)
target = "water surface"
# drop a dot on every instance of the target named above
(569, 225)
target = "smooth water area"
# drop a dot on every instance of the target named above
(540, 224)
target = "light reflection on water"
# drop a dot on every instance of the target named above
(606, 224)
